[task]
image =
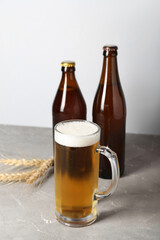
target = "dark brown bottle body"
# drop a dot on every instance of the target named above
(109, 111)
(69, 102)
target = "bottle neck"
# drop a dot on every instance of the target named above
(68, 77)
(68, 69)
(110, 70)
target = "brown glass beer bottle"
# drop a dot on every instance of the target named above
(69, 102)
(109, 110)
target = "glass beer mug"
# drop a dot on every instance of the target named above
(77, 149)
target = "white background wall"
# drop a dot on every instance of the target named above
(36, 35)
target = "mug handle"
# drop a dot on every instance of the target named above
(113, 159)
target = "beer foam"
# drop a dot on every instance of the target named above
(77, 133)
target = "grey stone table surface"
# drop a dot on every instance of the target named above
(133, 212)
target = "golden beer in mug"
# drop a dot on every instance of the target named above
(77, 148)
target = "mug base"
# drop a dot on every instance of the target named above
(76, 222)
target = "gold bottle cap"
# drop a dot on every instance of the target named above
(68, 64)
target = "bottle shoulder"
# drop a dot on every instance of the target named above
(109, 99)
(105, 91)
(69, 100)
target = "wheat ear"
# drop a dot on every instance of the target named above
(40, 171)
(22, 162)
(28, 176)
(16, 177)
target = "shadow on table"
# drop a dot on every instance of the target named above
(109, 214)
(142, 151)
(45, 178)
